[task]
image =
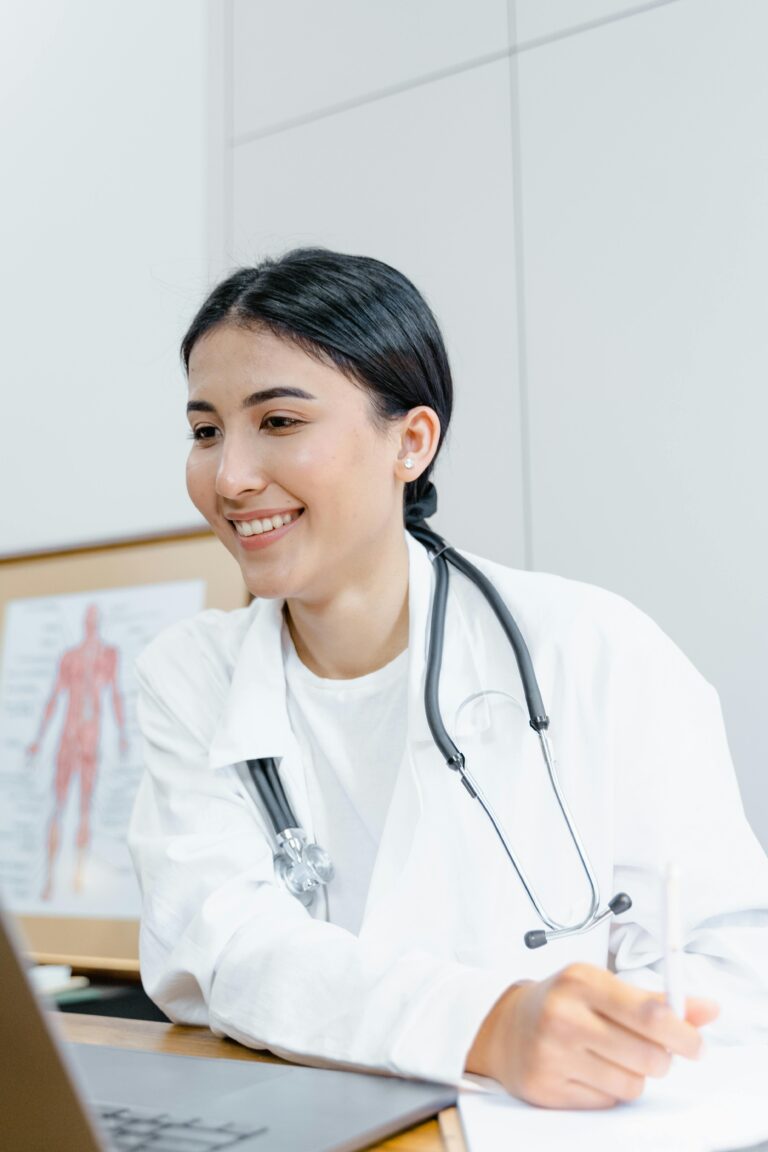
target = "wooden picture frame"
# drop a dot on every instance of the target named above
(90, 943)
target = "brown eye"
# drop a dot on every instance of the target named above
(276, 423)
(203, 432)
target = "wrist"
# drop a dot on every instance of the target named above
(485, 1056)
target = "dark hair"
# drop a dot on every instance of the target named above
(360, 314)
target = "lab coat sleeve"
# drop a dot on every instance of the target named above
(677, 800)
(223, 944)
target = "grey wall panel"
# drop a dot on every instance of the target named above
(104, 258)
(645, 185)
(423, 180)
(294, 58)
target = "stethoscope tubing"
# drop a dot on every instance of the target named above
(268, 784)
(294, 853)
(441, 555)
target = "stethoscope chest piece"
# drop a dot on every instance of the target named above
(303, 867)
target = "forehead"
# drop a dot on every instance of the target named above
(243, 359)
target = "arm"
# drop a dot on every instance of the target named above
(223, 944)
(677, 798)
(50, 708)
(117, 698)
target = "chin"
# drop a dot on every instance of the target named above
(267, 585)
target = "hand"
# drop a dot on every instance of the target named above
(583, 1039)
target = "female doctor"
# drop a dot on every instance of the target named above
(319, 395)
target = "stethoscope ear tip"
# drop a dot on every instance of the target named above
(620, 903)
(536, 938)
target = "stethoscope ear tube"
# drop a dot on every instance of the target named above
(451, 754)
(441, 551)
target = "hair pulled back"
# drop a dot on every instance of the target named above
(360, 314)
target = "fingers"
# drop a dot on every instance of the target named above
(612, 1080)
(699, 1011)
(638, 1055)
(636, 1010)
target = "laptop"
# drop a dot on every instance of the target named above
(90, 1098)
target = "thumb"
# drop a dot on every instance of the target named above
(699, 1011)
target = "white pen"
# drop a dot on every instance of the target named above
(673, 941)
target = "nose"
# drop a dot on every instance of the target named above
(240, 470)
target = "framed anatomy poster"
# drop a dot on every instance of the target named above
(70, 749)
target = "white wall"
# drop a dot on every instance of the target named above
(644, 185)
(579, 187)
(103, 240)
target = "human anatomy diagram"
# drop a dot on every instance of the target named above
(70, 752)
(85, 672)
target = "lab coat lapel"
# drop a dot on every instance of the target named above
(255, 722)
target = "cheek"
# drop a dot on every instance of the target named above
(200, 478)
(317, 470)
(351, 478)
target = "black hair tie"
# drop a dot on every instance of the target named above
(420, 510)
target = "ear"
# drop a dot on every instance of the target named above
(419, 438)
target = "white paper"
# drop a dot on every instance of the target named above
(66, 797)
(718, 1102)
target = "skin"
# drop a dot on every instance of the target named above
(582, 1038)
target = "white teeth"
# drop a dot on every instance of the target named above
(256, 527)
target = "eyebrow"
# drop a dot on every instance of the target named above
(255, 398)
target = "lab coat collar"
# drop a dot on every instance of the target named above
(255, 722)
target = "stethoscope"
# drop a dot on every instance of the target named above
(305, 867)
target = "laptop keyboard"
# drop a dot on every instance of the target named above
(129, 1128)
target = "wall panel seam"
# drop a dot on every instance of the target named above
(229, 157)
(434, 77)
(519, 278)
(369, 98)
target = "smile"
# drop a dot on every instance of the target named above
(262, 525)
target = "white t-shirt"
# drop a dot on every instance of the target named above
(351, 735)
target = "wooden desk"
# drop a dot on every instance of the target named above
(184, 1041)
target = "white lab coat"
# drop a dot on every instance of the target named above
(644, 764)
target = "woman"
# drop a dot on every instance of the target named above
(319, 395)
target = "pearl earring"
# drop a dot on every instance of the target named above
(408, 462)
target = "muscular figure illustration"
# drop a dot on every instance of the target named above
(82, 675)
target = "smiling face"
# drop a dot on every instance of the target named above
(289, 466)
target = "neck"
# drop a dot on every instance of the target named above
(362, 627)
